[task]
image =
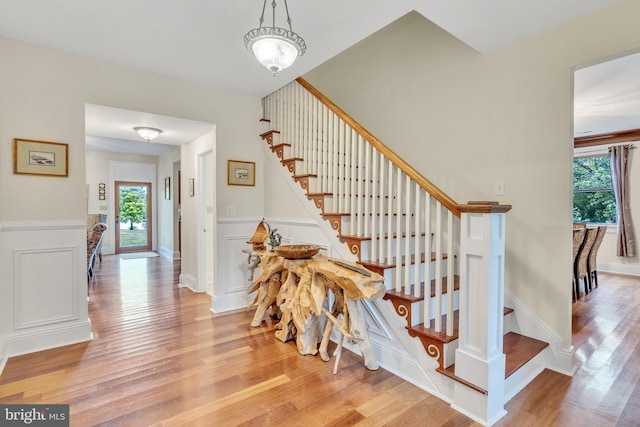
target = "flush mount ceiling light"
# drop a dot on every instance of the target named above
(274, 47)
(147, 133)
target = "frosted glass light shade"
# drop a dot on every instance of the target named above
(147, 133)
(274, 53)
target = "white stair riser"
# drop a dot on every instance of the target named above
(417, 309)
(390, 274)
(366, 247)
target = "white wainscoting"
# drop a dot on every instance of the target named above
(44, 286)
(232, 278)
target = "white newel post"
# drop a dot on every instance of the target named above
(479, 357)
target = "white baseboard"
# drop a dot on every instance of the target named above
(18, 344)
(629, 269)
(187, 281)
(168, 253)
(557, 358)
(230, 302)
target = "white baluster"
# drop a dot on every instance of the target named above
(450, 279)
(438, 262)
(389, 213)
(428, 248)
(375, 242)
(407, 239)
(398, 231)
(418, 214)
(359, 194)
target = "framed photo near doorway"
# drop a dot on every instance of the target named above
(31, 157)
(241, 173)
(167, 188)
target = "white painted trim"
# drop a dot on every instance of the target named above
(558, 359)
(232, 301)
(47, 338)
(615, 268)
(168, 253)
(188, 281)
(19, 226)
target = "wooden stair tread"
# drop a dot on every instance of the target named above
(282, 144)
(519, 349)
(441, 336)
(378, 237)
(412, 298)
(319, 194)
(450, 372)
(306, 175)
(382, 265)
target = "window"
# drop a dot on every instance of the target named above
(593, 198)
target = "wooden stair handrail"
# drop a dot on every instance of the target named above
(423, 182)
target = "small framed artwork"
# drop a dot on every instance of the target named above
(167, 188)
(31, 157)
(241, 173)
(191, 187)
(102, 191)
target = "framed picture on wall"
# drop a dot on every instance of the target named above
(31, 157)
(167, 188)
(241, 173)
(192, 184)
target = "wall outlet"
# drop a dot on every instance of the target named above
(231, 211)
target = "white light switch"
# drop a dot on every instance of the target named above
(499, 188)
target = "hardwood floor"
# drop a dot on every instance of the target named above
(160, 357)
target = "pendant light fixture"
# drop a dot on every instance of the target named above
(274, 47)
(147, 133)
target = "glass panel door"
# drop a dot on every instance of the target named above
(133, 216)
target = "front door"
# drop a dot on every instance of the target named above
(133, 216)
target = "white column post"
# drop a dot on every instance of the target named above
(479, 357)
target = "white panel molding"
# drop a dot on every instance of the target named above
(21, 263)
(44, 291)
(557, 358)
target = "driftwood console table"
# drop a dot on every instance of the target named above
(304, 288)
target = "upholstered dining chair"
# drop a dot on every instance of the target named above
(578, 236)
(93, 243)
(592, 260)
(580, 267)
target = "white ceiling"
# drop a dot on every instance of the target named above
(201, 40)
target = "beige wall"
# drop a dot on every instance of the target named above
(467, 120)
(43, 96)
(43, 93)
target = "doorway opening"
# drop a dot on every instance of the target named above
(133, 216)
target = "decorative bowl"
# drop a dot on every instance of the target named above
(297, 251)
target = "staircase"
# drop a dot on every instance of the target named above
(395, 222)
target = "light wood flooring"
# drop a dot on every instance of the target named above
(160, 357)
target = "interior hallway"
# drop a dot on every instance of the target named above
(159, 356)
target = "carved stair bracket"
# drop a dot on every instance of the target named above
(303, 180)
(268, 136)
(335, 220)
(290, 164)
(318, 200)
(403, 308)
(279, 150)
(354, 245)
(434, 347)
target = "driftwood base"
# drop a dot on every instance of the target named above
(303, 290)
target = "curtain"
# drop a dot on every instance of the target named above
(619, 156)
